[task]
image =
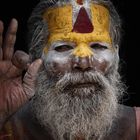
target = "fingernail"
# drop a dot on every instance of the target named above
(40, 61)
(14, 20)
(14, 23)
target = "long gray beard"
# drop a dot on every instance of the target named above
(69, 113)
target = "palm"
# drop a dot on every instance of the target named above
(10, 83)
(9, 70)
(14, 89)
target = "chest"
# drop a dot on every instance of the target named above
(123, 128)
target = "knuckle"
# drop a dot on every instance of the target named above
(11, 42)
(28, 75)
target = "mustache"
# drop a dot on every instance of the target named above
(72, 79)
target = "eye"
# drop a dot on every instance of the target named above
(97, 46)
(63, 48)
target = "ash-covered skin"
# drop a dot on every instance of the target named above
(67, 51)
(77, 97)
(77, 93)
(39, 31)
(60, 59)
(80, 102)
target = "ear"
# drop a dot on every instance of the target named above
(117, 50)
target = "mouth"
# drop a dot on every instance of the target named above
(81, 89)
(81, 85)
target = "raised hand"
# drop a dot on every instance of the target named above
(15, 90)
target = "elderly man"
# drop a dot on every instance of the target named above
(71, 90)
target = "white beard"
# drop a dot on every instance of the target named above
(80, 112)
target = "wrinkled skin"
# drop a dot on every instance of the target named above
(15, 90)
(63, 61)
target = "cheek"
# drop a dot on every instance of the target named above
(57, 63)
(104, 60)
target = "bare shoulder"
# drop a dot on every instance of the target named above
(124, 126)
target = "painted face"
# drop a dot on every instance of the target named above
(78, 41)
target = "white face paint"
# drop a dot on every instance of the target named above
(59, 58)
(75, 94)
(103, 52)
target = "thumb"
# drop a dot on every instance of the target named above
(30, 78)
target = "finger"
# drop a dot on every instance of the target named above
(30, 77)
(14, 72)
(1, 33)
(8, 70)
(10, 39)
(20, 60)
(4, 67)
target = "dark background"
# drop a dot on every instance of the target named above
(129, 51)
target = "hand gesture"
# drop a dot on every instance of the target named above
(15, 90)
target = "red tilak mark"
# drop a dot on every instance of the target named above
(83, 23)
(80, 2)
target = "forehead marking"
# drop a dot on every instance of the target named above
(60, 26)
(80, 2)
(83, 23)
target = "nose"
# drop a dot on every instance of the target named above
(82, 63)
(82, 56)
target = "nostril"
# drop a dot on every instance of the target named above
(78, 68)
(82, 64)
(89, 69)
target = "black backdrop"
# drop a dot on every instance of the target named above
(129, 51)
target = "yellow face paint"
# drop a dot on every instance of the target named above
(60, 27)
(82, 50)
(59, 19)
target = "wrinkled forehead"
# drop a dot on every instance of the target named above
(81, 18)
